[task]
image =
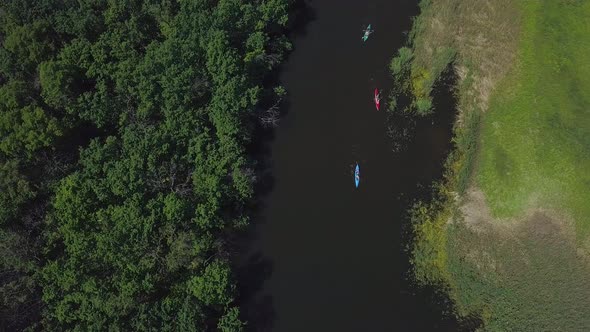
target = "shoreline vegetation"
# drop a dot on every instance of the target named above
(124, 171)
(507, 233)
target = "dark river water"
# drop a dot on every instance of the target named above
(327, 256)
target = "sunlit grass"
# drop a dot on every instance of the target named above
(535, 143)
(532, 281)
(523, 138)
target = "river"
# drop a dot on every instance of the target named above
(326, 255)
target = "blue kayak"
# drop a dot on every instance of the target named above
(357, 175)
(368, 31)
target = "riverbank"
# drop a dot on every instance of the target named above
(320, 242)
(507, 234)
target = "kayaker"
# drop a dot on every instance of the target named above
(366, 33)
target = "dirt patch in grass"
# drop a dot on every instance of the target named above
(535, 222)
(475, 211)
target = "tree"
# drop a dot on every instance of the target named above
(60, 83)
(230, 321)
(30, 44)
(15, 190)
(147, 108)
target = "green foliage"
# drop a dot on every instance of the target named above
(30, 44)
(13, 95)
(59, 83)
(24, 127)
(401, 64)
(27, 130)
(415, 80)
(423, 105)
(230, 321)
(400, 67)
(213, 287)
(429, 255)
(15, 190)
(123, 166)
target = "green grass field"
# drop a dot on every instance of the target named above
(531, 281)
(535, 140)
(523, 138)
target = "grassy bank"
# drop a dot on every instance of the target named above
(535, 145)
(507, 234)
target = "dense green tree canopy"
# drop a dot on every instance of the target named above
(123, 166)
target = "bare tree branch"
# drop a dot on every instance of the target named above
(270, 117)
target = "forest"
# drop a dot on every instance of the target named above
(124, 164)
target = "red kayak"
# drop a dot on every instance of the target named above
(377, 99)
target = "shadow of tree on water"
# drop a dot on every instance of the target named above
(253, 268)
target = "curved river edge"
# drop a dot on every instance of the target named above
(506, 235)
(426, 143)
